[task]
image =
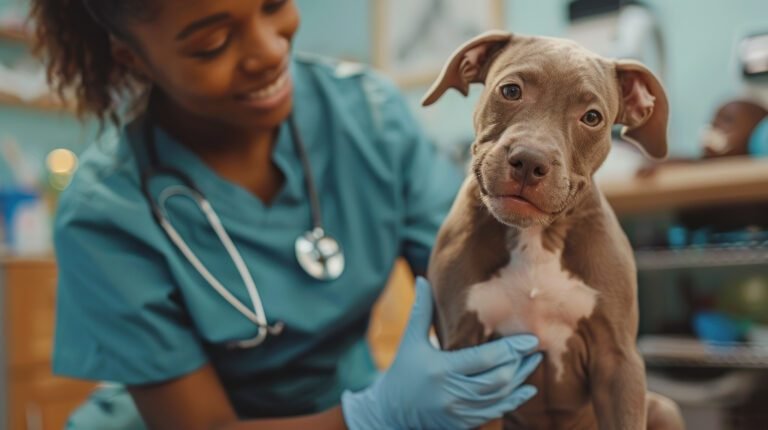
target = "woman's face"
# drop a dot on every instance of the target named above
(222, 60)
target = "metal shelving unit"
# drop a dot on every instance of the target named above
(726, 378)
(725, 255)
(689, 352)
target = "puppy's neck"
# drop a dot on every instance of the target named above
(554, 235)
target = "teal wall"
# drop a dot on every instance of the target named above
(36, 131)
(542, 17)
(700, 40)
(40, 132)
(700, 35)
(340, 28)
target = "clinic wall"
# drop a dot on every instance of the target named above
(701, 40)
(36, 131)
(700, 37)
(339, 28)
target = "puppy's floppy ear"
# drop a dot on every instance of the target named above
(467, 64)
(643, 108)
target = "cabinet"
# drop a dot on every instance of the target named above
(32, 398)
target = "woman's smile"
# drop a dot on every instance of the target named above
(270, 96)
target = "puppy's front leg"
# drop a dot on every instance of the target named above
(617, 384)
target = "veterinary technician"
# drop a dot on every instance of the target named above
(219, 257)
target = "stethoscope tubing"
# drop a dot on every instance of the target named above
(257, 315)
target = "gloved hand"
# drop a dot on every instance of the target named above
(426, 388)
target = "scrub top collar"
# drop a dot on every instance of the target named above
(171, 153)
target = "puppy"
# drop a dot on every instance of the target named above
(531, 245)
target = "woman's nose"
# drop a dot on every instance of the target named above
(265, 49)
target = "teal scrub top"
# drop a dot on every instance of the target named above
(132, 310)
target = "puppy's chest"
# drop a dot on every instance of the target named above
(533, 293)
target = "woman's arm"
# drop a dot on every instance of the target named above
(425, 388)
(197, 401)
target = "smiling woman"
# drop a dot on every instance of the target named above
(216, 65)
(166, 299)
(193, 58)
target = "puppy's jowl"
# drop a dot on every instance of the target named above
(531, 246)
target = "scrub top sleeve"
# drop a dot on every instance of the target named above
(118, 314)
(429, 181)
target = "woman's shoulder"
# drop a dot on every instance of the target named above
(362, 98)
(106, 177)
(347, 81)
(338, 71)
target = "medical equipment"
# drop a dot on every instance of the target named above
(319, 254)
(753, 55)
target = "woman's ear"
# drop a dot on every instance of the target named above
(126, 55)
(468, 64)
(643, 108)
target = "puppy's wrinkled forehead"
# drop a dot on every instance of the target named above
(562, 71)
(552, 60)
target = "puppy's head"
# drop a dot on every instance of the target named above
(543, 122)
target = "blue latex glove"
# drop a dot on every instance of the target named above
(426, 388)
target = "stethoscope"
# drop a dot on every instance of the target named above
(319, 254)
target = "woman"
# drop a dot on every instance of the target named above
(255, 128)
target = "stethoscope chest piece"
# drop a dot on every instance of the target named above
(320, 255)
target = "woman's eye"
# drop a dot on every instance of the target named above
(274, 6)
(511, 91)
(213, 51)
(592, 118)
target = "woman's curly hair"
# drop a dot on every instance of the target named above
(74, 38)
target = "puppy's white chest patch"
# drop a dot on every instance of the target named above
(534, 294)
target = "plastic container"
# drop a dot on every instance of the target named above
(718, 327)
(25, 223)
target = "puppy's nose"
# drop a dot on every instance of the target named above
(529, 166)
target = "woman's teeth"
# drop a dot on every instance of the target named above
(269, 91)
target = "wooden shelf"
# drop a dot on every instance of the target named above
(723, 181)
(16, 36)
(49, 103)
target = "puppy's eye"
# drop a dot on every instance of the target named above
(592, 118)
(511, 92)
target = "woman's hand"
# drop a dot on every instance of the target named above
(431, 389)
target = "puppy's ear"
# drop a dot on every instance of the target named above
(467, 64)
(643, 108)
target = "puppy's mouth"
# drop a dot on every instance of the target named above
(517, 204)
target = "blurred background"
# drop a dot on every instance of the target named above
(698, 222)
